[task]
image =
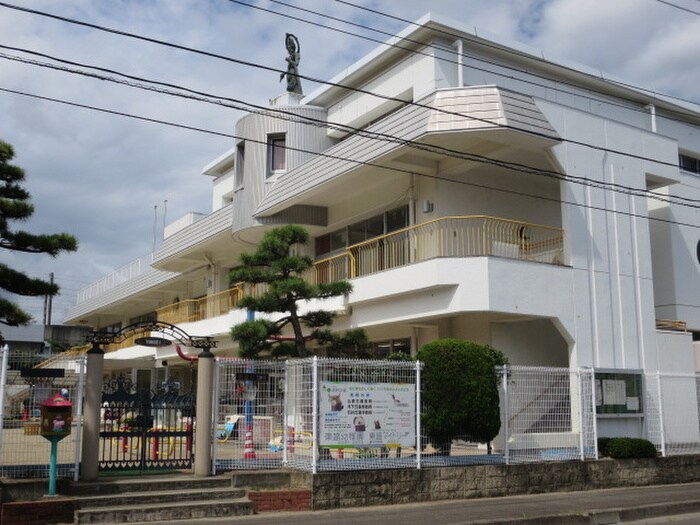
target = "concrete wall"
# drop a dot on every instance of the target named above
(335, 490)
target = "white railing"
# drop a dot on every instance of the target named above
(120, 276)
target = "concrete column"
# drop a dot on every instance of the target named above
(205, 381)
(91, 413)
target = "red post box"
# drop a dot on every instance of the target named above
(56, 417)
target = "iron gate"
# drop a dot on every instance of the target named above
(145, 430)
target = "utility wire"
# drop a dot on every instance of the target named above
(354, 161)
(557, 82)
(285, 115)
(260, 66)
(527, 56)
(679, 7)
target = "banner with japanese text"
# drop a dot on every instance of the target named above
(367, 414)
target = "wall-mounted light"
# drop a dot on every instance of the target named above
(427, 206)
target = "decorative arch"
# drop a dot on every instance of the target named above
(174, 332)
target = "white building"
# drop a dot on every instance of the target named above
(468, 188)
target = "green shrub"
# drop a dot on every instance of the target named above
(623, 447)
(460, 391)
(603, 446)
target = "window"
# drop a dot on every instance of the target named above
(240, 164)
(688, 163)
(358, 232)
(276, 153)
(381, 349)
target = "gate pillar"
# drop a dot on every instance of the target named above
(91, 413)
(203, 435)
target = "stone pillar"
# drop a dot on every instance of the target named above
(205, 377)
(91, 413)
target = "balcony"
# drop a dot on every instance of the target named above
(472, 236)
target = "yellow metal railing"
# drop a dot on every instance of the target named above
(671, 324)
(471, 236)
(201, 308)
(126, 343)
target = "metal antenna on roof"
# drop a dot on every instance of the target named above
(155, 225)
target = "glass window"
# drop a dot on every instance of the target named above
(397, 219)
(323, 245)
(358, 232)
(688, 163)
(339, 240)
(375, 226)
(240, 163)
(277, 149)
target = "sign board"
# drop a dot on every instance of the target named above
(153, 341)
(619, 392)
(42, 372)
(361, 415)
(250, 376)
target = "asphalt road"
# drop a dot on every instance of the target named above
(634, 503)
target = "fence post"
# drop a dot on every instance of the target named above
(216, 400)
(314, 414)
(90, 446)
(662, 431)
(506, 415)
(3, 379)
(594, 413)
(79, 415)
(418, 413)
(579, 374)
(202, 438)
(285, 416)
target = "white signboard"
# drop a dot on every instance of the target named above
(367, 414)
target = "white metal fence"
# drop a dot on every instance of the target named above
(249, 414)
(352, 414)
(672, 419)
(547, 414)
(346, 414)
(24, 385)
(341, 414)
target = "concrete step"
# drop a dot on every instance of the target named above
(170, 512)
(157, 498)
(147, 484)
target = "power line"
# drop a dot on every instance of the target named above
(520, 53)
(247, 63)
(394, 99)
(354, 161)
(245, 106)
(668, 112)
(679, 7)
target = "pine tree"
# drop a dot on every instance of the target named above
(274, 265)
(15, 206)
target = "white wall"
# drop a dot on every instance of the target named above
(676, 353)
(222, 191)
(609, 251)
(675, 241)
(532, 343)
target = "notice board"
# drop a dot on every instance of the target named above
(619, 392)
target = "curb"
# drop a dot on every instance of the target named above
(600, 517)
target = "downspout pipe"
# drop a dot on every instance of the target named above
(459, 45)
(652, 113)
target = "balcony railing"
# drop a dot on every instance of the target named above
(472, 236)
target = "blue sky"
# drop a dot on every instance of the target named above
(100, 176)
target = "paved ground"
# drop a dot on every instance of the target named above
(599, 507)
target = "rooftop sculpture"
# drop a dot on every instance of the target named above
(292, 74)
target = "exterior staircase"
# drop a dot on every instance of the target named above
(158, 499)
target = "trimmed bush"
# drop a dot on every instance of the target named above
(460, 391)
(603, 446)
(623, 447)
